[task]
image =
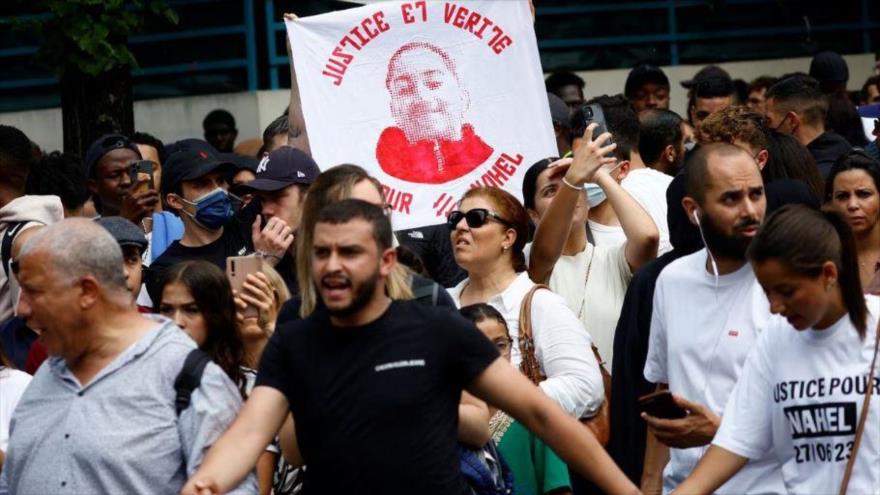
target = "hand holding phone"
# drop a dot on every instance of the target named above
(237, 270)
(678, 422)
(141, 175)
(661, 405)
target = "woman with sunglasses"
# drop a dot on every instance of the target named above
(488, 233)
(592, 279)
(852, 191)
(805, 387)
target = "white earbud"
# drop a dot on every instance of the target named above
(696, 217)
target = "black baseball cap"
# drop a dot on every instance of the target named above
(641, 74)
(125, 232)
(103, 145)
(829, 66)
(191, 163)
(281, 168)
(707, 73)
(240, 162)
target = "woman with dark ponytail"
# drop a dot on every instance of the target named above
(809, 389)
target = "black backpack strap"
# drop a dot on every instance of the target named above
(6, 244)
(189, 378)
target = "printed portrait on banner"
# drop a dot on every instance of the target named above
(430, 97)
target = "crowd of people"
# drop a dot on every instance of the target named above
(678, 304)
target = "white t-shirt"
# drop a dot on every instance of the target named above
(12, 385)
(648, 187)
(800, 397)
(596, 300)
(606, 235)
(700, 338)
(562, 347)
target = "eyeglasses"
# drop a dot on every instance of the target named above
(503, 344)
(475, 218)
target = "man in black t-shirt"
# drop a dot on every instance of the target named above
(373, 385)
(796, 105)
(195, 183)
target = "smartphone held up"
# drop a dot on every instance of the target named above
(237, 270)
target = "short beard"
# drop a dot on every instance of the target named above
(362, 297)
(726, 246)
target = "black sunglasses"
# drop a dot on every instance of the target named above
(475, 218)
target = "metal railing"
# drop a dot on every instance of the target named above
(246, 29)
(673, 35)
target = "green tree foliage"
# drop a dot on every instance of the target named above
(91, 36)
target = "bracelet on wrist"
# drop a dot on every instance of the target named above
(569, 184)
(263, 254)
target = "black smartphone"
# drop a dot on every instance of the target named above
(660, 405)
(586, 115)
(139, 170)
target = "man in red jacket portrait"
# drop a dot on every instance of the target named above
(431, 143)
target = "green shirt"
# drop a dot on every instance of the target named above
(537, 470)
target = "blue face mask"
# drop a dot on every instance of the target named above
(213, 210)
(595, 194)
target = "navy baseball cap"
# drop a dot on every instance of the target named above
(191, 163)
(283, 167)
(125, 232)
(103, 145)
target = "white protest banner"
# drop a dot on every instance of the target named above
(431, 97)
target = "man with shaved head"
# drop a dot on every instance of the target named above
(100, 415)
(707, 312)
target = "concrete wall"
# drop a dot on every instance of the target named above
(177, 118)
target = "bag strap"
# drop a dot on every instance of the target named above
(866, 404)
(189, 378)
(6, 244)
(529, 365)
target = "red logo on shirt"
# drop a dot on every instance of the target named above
(733, 333)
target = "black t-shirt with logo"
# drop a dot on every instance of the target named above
(376, 406)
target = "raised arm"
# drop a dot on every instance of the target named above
(235, 454)
(554, 227)
(642, 235)
(297, 135)
(506, 388)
